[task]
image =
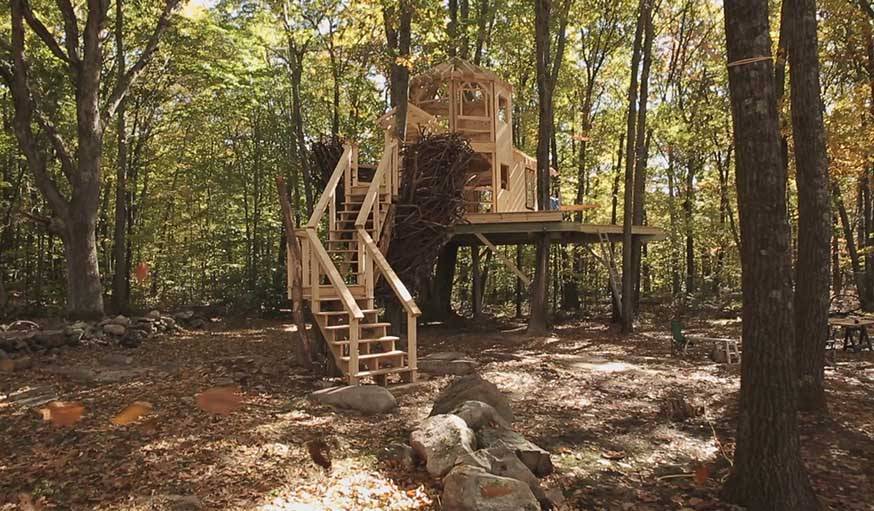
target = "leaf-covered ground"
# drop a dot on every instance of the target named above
(594, 399)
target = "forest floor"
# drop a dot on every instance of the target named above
(591, 397)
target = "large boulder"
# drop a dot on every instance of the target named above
(114, 329)
(478, 414)
(472, 388)
(367, 399)
(440, 440)
(444, 363)
(536, 459)
(469, 488)
(502, 461)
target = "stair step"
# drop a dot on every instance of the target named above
(343, 313)
(385, 338)
(361, 325)
(377, 356)
(342, 251)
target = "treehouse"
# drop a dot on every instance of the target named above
(342, 246)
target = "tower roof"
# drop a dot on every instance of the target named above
(455, 67)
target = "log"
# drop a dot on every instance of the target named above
(303, 346)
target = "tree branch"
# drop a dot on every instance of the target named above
(43, 32)
(24, 113)
(71, 28)
(133, 73)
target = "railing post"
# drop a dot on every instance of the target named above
(315, 281)
(411, 345)
(353, 350)
(353, 165)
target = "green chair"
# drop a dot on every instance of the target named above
(680, 341)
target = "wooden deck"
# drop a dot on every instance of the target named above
(523, 228)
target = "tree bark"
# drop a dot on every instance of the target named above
(628, 279)
(814, 211)
(768, 473)
(641, 153)
(398, 35)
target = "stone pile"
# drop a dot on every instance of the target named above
(23, 338)
(468, 441)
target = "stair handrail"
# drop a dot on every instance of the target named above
(373, 190)
(318, 249)
(394, 281)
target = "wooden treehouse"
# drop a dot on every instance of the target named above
(341, 260)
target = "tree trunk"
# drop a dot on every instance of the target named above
(119, 278)
(855, 263)
(641, 154)
(84, 289)
(476, 284)
(441, 297)
(628, 278)
(398, 37)
(689, 210)
(768, 473)
(814, 211)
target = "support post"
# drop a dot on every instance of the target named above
(477, 281)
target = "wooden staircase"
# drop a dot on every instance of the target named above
(341, 264)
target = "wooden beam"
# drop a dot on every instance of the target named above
(294, 260)
(504, 259)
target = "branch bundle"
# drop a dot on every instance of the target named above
(430, 202)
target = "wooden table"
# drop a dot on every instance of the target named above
(853, 327)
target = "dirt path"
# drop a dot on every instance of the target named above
(596, 401)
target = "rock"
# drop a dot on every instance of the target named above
(367, 399)
(114, 329)
(502, 461)
(50, 338)
(197, 323)
(120, 320)
(535, 458)
(183, 315)
(478, 414)
(717, 354)
(154, 314)
(399, 454)
(554, 499)
(472, 388)
(15, 364)
(74, 336)
(447, 363)
(184, 503)
(469, 488)
(440, 440)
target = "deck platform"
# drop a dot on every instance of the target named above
(524, 228)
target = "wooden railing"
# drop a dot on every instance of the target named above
(318, 262)
(370, 257)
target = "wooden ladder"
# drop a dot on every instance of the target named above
(340, 274)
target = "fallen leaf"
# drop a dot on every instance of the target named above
(702, 474)
(219, 400)
(613, 455)
(131, 413)
(7, 365)
(62, 413)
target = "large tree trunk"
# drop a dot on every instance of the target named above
(768, 473)
(814, 211)
(84, 289)
(642, 154)
(628, 277)
(398, 21)
(440, 299)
